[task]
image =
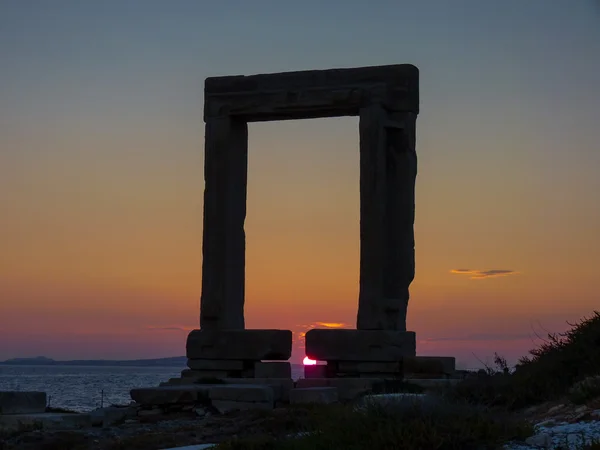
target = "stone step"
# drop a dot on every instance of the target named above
(273, 369)
(235, 397)
(281, 386)
(348, 388)
(241, 393)
(221, 396)
(321, 395)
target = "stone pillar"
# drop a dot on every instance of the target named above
(388, 168)
(224, 239)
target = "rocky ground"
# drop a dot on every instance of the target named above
(562, 425)
(559, 425)
(155, 429)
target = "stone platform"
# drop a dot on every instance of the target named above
(23, 409)
(385, 354)
(22, 402)
(224, 397)
(280, 386)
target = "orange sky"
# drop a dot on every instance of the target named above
(101, 163)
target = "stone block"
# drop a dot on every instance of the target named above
(278, 369)
(366, 367)
(254, 345)
(44, 421)
(281, 386)
(312, 93)
(359, 345)
(241, 393)
(305, 383)
(429, 364)
(316, 371)
(352, 388)
(178, 381)
(111, 415)
(348, 388)
(226, 406)
(322, 395)
(224, 238)
(219, 364)
(200, 374)
(166, 395)
(22, 402)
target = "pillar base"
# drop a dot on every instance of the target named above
(240, 345)
(360, 345)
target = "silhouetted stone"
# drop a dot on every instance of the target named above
(224, 243)
(22, 402)
(239, 344)
(388, 168)
(359, 345)
(273, 369)
(387, 100)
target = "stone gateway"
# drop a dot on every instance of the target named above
(386, 100)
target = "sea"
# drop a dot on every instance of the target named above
(84, 388)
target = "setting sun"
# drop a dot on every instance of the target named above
(309, 362)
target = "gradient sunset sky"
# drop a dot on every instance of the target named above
(101, 170)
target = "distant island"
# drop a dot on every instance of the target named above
(176, 361)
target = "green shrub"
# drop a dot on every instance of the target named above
(585, 390)
(548, 373)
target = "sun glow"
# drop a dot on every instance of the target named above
(309, 362)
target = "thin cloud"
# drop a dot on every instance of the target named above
(300, 335)
(330, 324)
(482, 274)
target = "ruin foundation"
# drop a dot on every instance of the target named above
(386, 100)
